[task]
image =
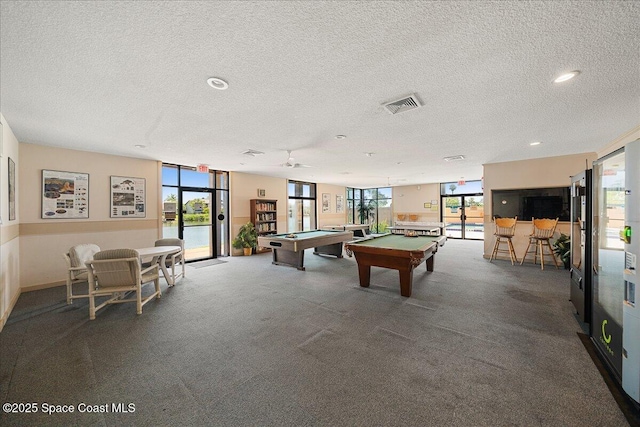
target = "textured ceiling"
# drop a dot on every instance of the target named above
(106, 76)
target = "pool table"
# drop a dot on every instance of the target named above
(359, 230)
(289, 250)
(397, 252)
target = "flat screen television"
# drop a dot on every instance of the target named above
(528, 203)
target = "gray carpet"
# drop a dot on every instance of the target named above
(206, 263)
(250, 343)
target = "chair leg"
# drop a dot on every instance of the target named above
(553, 256)
(495, 249)
(512, 252)
(541, 254)
(92, 306)
(525, 254)
(69, 291)
(139, 300)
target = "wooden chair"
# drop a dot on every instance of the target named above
(543, 230)
(401, 217)
(115, 273)
(177, 258)
(505, 229)
(76, 269)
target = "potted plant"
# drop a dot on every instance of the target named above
(247, 238)
(562, 248)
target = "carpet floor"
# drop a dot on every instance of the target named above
(250, 343)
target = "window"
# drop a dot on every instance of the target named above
(370, 206)
(301, 213)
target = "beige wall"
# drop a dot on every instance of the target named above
(43, 241)
(331, 217)
(9, 230)
(410, 200)
(243, 187)
(536, 173)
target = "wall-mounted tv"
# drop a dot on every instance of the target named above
(528, 203)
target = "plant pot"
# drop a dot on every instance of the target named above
(247, 251)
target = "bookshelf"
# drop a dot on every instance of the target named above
(264, 215)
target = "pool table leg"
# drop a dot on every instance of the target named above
(406, 282)
(364, 272)
(290, 258)
(430, 262)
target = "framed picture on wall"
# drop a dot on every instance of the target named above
(326, 202)
(65, 194)
(128, 199)
(339, 203)
(12, 190)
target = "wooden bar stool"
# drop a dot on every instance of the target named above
(543, 230)
(505, 229)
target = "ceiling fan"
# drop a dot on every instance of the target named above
(291, 163)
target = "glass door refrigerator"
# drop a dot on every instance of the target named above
(608, 258)
(615, 326)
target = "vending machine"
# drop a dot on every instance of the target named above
(630, 235)
(580, 287)
(608, 257)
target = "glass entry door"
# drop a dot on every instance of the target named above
(463, 217)
(197, 223)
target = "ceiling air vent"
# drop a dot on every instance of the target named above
(402, 105)
(454, 158)
(252, 153)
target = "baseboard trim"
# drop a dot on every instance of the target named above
(5, 316)
(43, 286)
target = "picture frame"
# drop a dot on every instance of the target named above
(262, 192)
(12, 190)
(339, 203)
(65, 195)
(326, 202)
(128, 197)
(427, 205)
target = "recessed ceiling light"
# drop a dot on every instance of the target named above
(398, 163)
(140, 146)
(567, 76)
(341, 136)
(535, 143)
(369, 154)
(217, 83)
(453, 158)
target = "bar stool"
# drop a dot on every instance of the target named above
(505, 229)
(543, 230)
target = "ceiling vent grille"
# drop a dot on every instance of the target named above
(401, 105)
(454, 158)
(252, 153)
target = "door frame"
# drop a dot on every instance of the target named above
(212, 209)
(463, 215)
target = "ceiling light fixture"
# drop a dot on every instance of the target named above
(217, 83)
(453, 158)
(535, 143)
(369, 154)
(566, 76)
(140, 146)
(341, 136)
(252, 153)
